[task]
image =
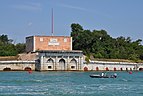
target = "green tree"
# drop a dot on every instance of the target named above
(20, 47)
(4, 39)
(101, 45)
(9, 49)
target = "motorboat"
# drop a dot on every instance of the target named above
(102, 76)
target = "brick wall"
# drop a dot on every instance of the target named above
(49, 43)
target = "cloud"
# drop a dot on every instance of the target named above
(91, 11)
(29, 24)
(29, 7)
(73, 7)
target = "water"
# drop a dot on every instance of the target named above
(70, 84)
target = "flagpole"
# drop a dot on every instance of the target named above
(52, 23)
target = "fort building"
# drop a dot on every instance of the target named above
(36, 43)
(54, 53)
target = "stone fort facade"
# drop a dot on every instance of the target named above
(54, 53)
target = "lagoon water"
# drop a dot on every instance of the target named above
(70, 84)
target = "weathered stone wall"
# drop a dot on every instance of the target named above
(68, 64)
(111, 66)
(17, 65)
(60, 60)
(30, 43)
(27, 57)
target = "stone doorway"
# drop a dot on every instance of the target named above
(62, 65)
(73, 64)
(50, 63)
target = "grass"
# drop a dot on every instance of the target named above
(7, 58)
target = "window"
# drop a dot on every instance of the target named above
(65, 39)
(41, 39)
(49, 67)
(72, 67)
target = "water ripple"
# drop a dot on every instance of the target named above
(68, 84)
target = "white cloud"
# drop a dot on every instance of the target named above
(29, 6)
(96, 12)
(73, 7)
(30, 24)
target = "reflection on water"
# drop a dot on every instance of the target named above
(69, 84)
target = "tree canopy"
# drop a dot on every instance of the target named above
(100, 44)
(96, 43)
(9, 49)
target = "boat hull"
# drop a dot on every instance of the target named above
(99, 76)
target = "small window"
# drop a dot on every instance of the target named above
(41, 39)
(72, 67)
(65, 39)
(49, 67)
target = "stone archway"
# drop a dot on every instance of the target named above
(97, 69)
(27, 69)
(107, 69)
(62, 64)
(50, 63)
(126, 69)
(7, 69)
(85, 68)
(121, 69)
(140, 69)
(73, 64)
(115, 69)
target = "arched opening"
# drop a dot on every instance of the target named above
(73, 64)
(97, 69)
(121, 69)
(27, 69)
(62, 64)
(140, 69)
(7, 69)
(107, 69)
(126, 69)
(85, 69)
(115, 69)
(50, 63)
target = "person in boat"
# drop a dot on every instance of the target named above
(102, 74)
(115, 75)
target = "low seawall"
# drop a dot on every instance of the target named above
(111, 66)
(92, 66)
(17, 65)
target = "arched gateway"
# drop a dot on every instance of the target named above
(50, 63)
(62, 65)
(27, 69)
(73, 64)
(61, 60)
(7, 69)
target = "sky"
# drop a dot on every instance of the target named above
(22, 18)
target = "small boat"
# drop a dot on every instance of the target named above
(100, 76)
